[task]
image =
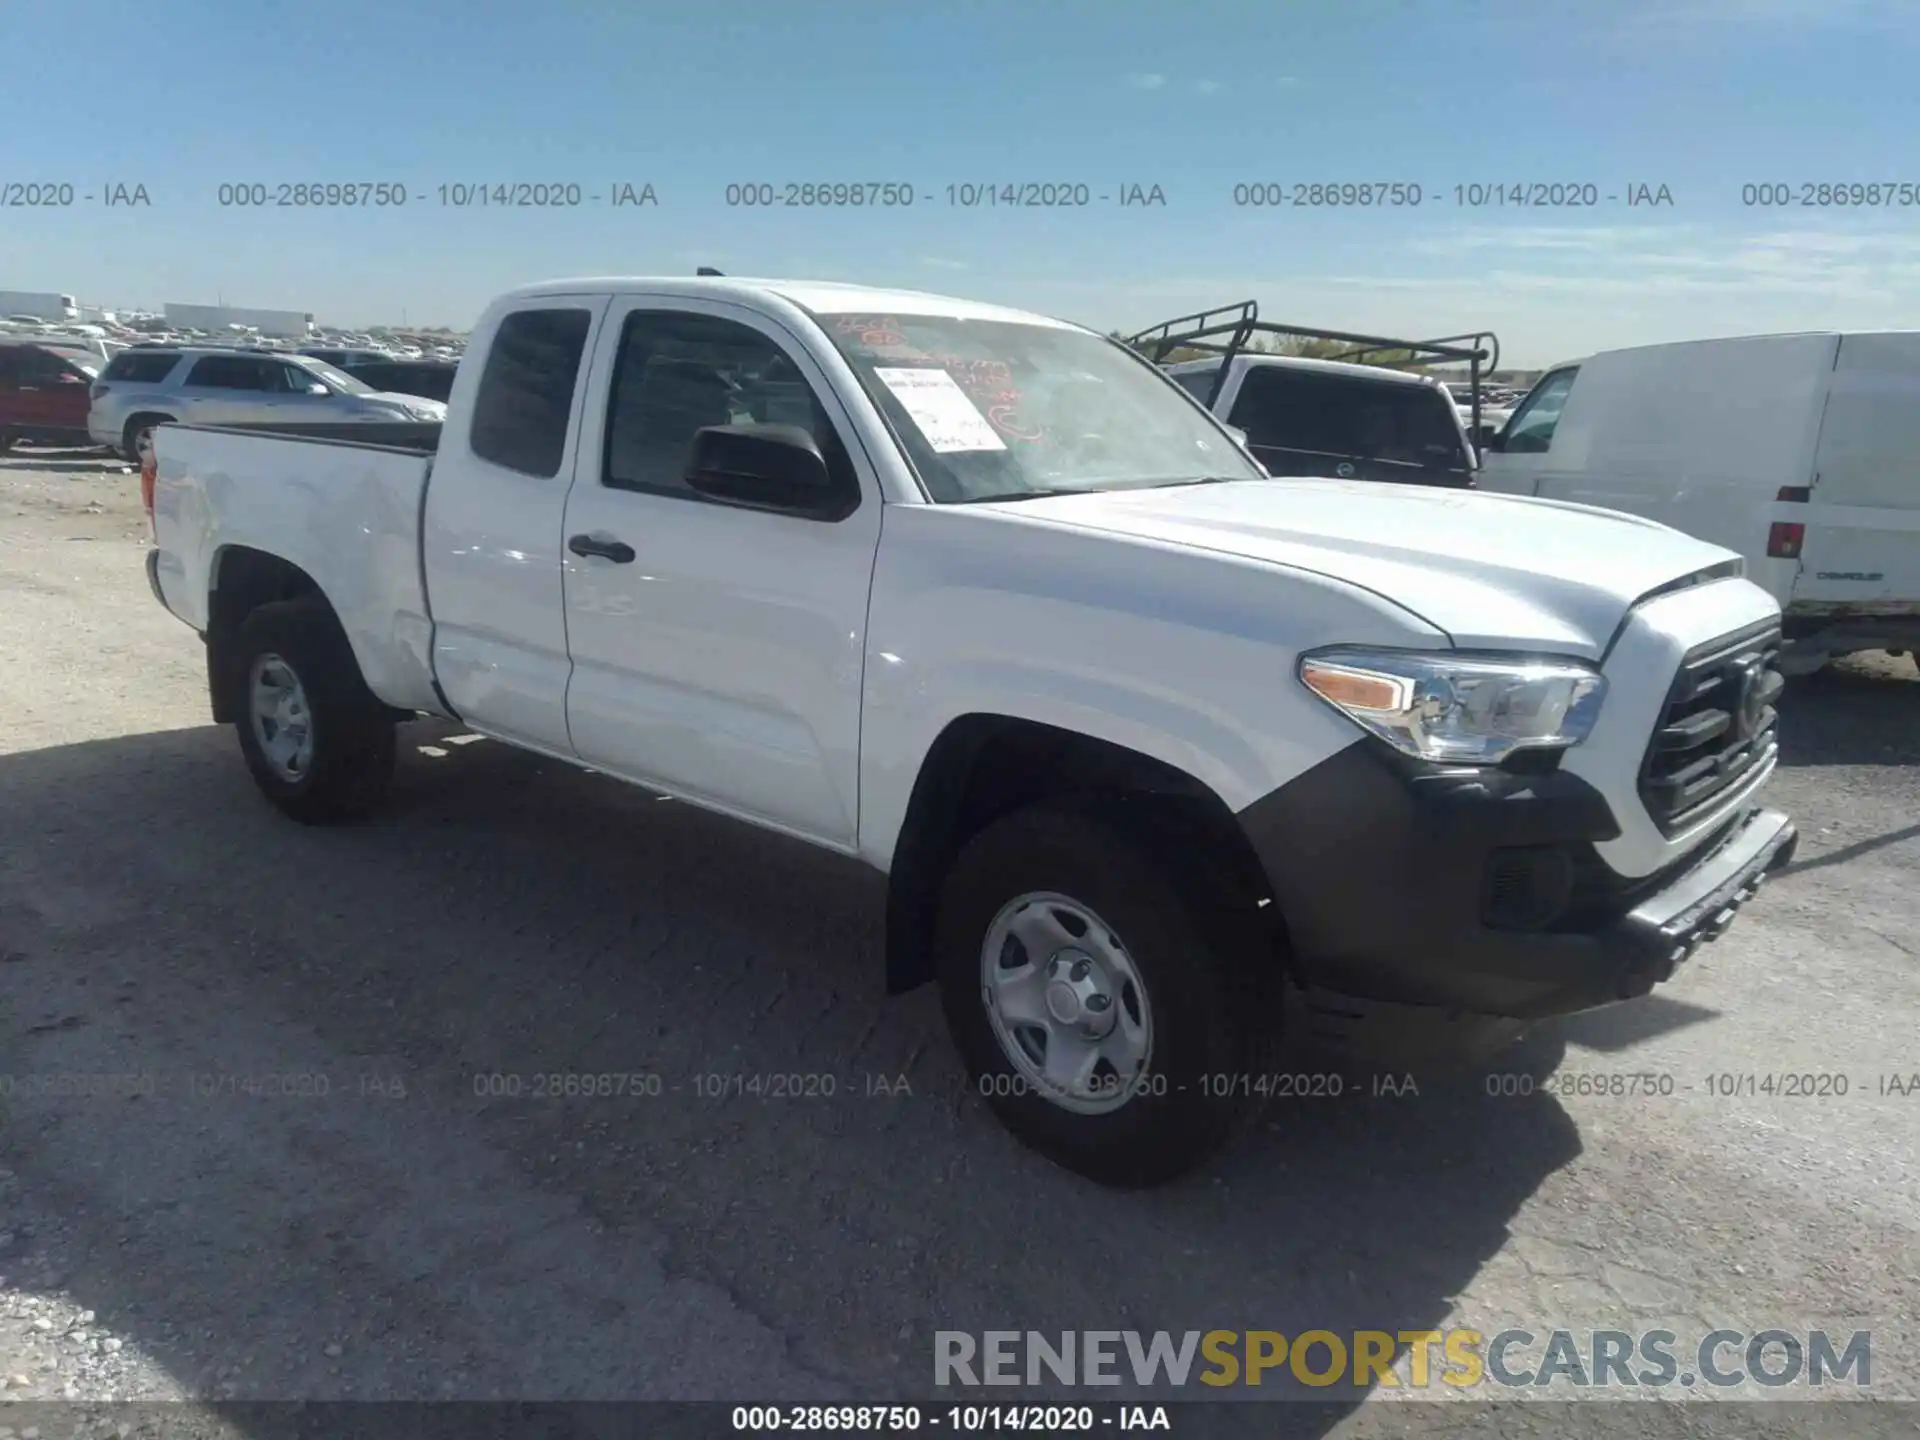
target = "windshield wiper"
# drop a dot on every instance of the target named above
(1100, 489)
(1196, 480)
(1026, 495)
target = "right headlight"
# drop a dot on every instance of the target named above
(1462, 709)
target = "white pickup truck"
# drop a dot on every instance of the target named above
(1153, 749)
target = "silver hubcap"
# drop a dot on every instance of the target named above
(281, 721)
(1066, 1003)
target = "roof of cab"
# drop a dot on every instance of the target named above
(1303, 362)
(827, 297)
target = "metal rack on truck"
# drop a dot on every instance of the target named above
(1228, 330)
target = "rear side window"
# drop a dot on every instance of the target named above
(143, 367)
(1284, 409)
(525, 398)
(1197, 383)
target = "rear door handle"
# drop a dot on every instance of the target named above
(617, 551)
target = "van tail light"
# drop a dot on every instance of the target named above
(1784, 539)
(1795, 494)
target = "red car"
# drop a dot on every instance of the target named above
(44, 394)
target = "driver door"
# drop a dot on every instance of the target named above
(717, 649)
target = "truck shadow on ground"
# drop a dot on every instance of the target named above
(511, 919)
(1849, 714)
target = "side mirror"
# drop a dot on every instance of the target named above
(1239, 435)
(764, 467)
(318, 389)
(1487, 437)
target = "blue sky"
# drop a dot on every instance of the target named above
(1197, 96)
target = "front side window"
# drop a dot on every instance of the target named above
(525, 400)
(997, 409)
(1530, 431)
(678, 373)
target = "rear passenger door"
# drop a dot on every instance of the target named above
(718, 653)
(13, 405)
(229, 390)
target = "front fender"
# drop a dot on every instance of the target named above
(1184, 657)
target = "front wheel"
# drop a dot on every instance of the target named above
(1105, 1025)
(320, 746)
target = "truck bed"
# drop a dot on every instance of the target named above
(341, 502)
(406, 437)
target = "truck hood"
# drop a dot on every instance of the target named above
(438, 408)
(1492, 571)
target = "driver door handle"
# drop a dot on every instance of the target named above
(617, 551)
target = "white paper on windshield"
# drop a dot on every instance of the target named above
(937, 404)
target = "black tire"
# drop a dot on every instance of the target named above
(6, 441)
(1208, 993)
(351, 767)
(138, 426)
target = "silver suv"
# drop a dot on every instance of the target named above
(151, 385)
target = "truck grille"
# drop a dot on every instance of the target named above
(1718, 727)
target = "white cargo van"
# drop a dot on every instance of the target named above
(1802, 452)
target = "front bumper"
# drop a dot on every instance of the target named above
(1418, 897)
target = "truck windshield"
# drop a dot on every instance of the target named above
(999, 410)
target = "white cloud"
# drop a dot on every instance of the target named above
(1285, 82)
(1146, 81)
(934, 262)
(1209, 87)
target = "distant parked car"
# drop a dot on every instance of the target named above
(43, 394)
(432, 379)
(144, 388)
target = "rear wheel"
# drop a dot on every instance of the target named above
(137, 439)
(1103, 1023)
(6, 441)
(318, 743)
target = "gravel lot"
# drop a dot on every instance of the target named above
(403, 1236)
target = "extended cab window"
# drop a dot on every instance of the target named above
(1283, 408)
(525, 399)
(1530, 431)
(678, 373)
